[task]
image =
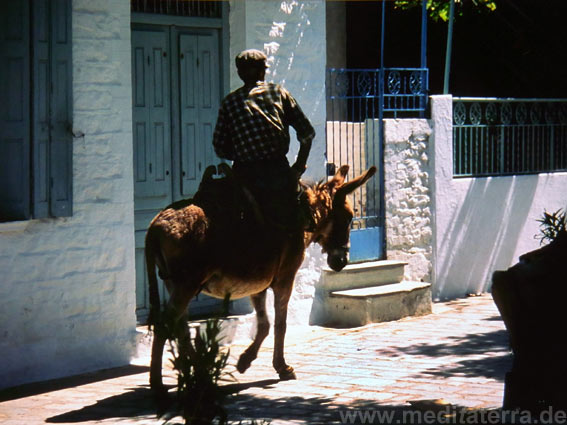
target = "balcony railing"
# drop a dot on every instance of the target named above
(357, 94)
(496, 137)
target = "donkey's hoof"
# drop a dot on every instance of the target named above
(288, 374)
(244, 363)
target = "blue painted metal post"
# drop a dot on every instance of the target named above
(425, 86)
(424, 34)
(381, 187)
(449, 48)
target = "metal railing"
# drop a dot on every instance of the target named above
(357, 94)
(498, 137)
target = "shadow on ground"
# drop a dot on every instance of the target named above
(37, 388)
(323, 410)
(492, 347)
(494, 367)
(135, 403)
(245, 408)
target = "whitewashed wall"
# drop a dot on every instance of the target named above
(67, 291)
(455, 233)
(293, 36)
(481, 224)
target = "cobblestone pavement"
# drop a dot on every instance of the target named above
(458, 354)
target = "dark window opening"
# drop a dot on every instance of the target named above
(194, 8)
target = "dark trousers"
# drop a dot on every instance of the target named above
(274, 188)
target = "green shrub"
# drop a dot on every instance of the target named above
(200, 364)
(551, 225)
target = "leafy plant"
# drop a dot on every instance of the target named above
(551, 225)
(200, 364)
(439, 9)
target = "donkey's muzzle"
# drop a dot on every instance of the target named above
(337, 259)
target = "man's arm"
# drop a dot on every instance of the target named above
(300, 164)
(221, 138)
(305, 131)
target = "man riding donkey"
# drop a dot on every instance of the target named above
(252, 130)
(248, 232)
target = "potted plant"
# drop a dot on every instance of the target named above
(531, 297)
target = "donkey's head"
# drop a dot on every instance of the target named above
(335, 215)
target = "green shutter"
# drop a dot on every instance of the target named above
(35, 118)
(41, 84)
(14, 111)
(52, 141)
(61, 138)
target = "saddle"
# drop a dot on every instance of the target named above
(226, 196)
(245, 206)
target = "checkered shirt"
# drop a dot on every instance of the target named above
(253, 124)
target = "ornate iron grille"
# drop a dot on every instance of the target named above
(195, 8)
(354, 94)
(496, 137)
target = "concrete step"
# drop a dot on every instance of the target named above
(383, 303)
(363, 275)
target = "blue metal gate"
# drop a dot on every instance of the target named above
(358, 100)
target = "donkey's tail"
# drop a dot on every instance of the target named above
(150, 254)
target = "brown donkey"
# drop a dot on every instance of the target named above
(200, 246)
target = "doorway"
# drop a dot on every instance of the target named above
(175, 99)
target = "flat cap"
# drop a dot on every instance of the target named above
(251, 58)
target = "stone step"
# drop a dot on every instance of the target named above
(383, 303)
(363, 275)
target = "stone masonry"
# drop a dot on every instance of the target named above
(408, 196)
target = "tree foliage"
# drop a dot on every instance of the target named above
(439, 9)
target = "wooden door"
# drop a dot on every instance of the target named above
(199, 103)
(151, 128)
(151, 120)
(176, 95)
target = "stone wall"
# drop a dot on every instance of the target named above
(67, 288)
(408, 196)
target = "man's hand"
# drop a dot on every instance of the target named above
(298, 170)
(300, 163)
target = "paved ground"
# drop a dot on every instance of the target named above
(458, 354)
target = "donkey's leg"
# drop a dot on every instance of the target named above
(158, 343)
(282, 293)
(262, 331)
(176, 310)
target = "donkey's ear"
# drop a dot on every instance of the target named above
(347, 188)
(339, 178)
